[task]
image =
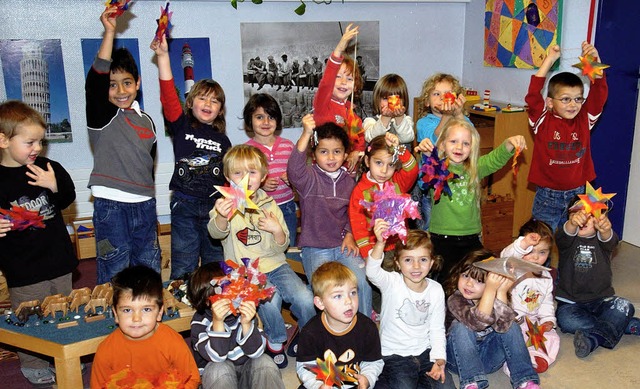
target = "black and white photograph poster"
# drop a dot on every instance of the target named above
(287, 60)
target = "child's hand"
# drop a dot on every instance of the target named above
(363, 382)
(285, 178)
(5, 226)
(553, 53)
(530, 239)
(589, 50)
(308, 124)
(602, 225)
(399, 111)
(223, 206)
(505, 284)
(43, 178)
(425, 146)
(247, 312)
(437, 372)
(353, 160)
(107, 20)
(516, 142)
(269, 222)
(546, 326)
(579, 219)
(458, 106)
(349, 33)
(271, 184)
(494, 281)
(160, 47)
(380, 226)
(349, 246)
(220, 309)
(391, 139)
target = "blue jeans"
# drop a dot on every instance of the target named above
(291, 220)
(190, 239)
(291, 289)
(424, 200)
(410, 373)
(550, 206)
(606, 317)
(472, 357)
(126, 235)
(313, 257)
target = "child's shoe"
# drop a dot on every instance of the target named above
(472, 385)
(292, 339)
(583, 344)
(633, 328)
(279, 357)
(529, 385)
(541, 364)
(39, 377)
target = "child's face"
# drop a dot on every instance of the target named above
(457, 145)
(137, 319)
(470, 288)
(436, 97)
(23, 148)
(123, 89)
(589, 228)
(263, 124)
(206, 108)
(415, 266)
(256, 178)
(343, 86)
(329, 154)
(381, 166)
(569, 110)
(539, 254)
(340, 303)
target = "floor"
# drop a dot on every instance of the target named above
(616, 368)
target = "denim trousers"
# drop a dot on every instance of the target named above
(550, 206)
(472, 358)
(424, 200)
(607, 317)
(410, 373)
(190, 239)
(290, 289)
(259, 372)
(291, 220)
(126, 235)
(313, 257)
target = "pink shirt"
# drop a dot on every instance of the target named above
(277, 157)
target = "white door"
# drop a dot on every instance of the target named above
(631, 231)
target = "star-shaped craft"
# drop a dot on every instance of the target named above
(511, 267)
(394, 208)
(514, 163)
(240, 194)
(593, 201)
(449, 97)
(435, 173)
(327, 372)
(242, 282)
(535, 335)
(164, 23)
(590, 67)
(394, 102)
(22, 218)
(122, 6)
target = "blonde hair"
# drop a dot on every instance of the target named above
(389, 85)
(331, 274)
(245, 156)
(471, 163)
(430, 84)
(14, 113)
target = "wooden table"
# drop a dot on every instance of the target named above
(67, 356)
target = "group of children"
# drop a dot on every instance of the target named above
(479, 328)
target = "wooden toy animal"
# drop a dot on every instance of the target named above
(28, 308)
(50, 299)
(95, 303)
(77, 300)
(103, 291)
(57, 306)
(169, 302)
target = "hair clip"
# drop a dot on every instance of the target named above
(369, 149)
(314, 138)
(396, 152)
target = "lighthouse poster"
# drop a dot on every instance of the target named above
(33, 71)
(190, 62)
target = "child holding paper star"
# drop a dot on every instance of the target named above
(562, 124)
(587, 304)
(261, 233)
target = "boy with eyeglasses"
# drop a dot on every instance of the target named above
(561, 124)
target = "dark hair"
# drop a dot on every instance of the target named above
(416, 239)
(330, 130)
(14, 113)
(266, 102)
(388, 85)
(563, 79)
(199, 287)
(380, 143)
(140, 281)
(466, 265)
(122, 61)
(206, 87)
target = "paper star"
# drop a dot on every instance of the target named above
(511, 267)
(122, 5)
(449, 97)
(394, 208)
(590, 67)
(242, 282)
(536, 335)
(23, 218)
(514, 164)
(353, 130)
(435, 173)
(240, 194)
(164, 23)
(593, 201)
(327, 372)
(394, 102)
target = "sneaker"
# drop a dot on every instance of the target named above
(39, 377)
(279, 357)
(633, 328)
(582, 344)
(375, 316)
(292, 339)
(472, 385)
(541, 364)
(529, 385)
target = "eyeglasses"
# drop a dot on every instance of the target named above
(567, 100)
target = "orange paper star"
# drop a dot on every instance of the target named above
(514, 164)
(240, 194)
(449, 97)
(590, 67)
(536, 335)
(394, 102)
(593, 201)
(327, 372)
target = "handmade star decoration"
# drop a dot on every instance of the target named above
(435, 174)
(242, 282)
(122, 5)
(449, 97)
(593, 201)
(394, 102)
(511, 267)
(353, 130)
(128, 379)
(535, 335)
(22, 218)
(164, 23)
(240, 194)
(327, 371)
(514, 163)
(394, 208)
(590, 67)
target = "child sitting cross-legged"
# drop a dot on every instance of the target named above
(141, 347)
(228, 348)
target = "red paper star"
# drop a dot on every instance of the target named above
(23, 218)
(536, 335)
(122, 6)
(353, 130)
(240, 194)
(590, 67)
(164, 22)
(593, 201)
(243, 282)
(394, 102)
(449, 97)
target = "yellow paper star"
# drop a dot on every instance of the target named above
(593, 201)
(590, 67)
(240, 194)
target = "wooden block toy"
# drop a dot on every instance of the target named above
(92, 318)
(67, 324)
